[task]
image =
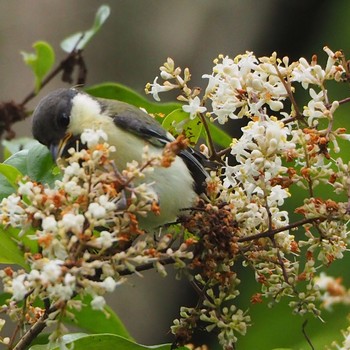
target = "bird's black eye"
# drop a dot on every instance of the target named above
(63, 120)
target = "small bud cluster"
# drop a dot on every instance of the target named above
(285, 149)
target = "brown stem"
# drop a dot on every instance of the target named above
(341, 102)
(36, 329)
(306, 336)
(280, 261)
(271, 233)
(50, 76)
(223, 152)
(148, 266)
(213, 154)
(289, 92)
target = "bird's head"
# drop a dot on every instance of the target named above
(57, 122)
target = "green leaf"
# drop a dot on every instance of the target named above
(219, 136)
(95, 321)
(4, 297)
(40, 165)
(37, 163)
(11, 174)
(79, 40)
(6, 188)
(9, 251)
(17, 145)
(191, 127)
(40, 62)
(82, 341)
(120, 92)
(19, 161)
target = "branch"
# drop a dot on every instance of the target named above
(66, 66)
(36, 329)
(290, 94)
(271, 233)
(148, 266)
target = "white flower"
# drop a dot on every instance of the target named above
(73, 169)
(69, 279)
(93, 137)
(19, 289)
(72, 222)
(109, 284)
(49, 223)
(73, 189)
(157, 88)
(97, 211)
(25, 188)
(51, 271)
(106, 203)
(323, 281)
(277, 196)
(60, 291)
(105, 240)
(98, 303)
(194, 107)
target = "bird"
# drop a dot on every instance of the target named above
(61, 116)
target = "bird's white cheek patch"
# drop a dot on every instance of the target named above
(84, 114)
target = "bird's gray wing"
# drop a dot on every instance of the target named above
(136, 121)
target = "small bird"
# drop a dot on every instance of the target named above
(61, 117)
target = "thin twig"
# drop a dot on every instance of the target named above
(341, 102)
(271, 233)
(306, 336)
(37, 328)
(50, 76)
(75, 53)
(148, 266)
(289, 92)
(213, 154)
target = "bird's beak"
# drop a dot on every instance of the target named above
(58, 149)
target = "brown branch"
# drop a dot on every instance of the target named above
(148, 266)
(36, 329)
(306, 336)
(271, 233)
(341, 102)
(289, 92)
(74, 56)
(213, 154)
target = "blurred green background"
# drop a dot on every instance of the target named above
(135, 41)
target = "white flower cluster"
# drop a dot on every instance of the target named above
(254, 183)
(282, 145)
(84, 227)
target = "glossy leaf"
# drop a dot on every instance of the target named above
(11, 174)
(81, 341)
(4, 297)
(120, 92)
(19, 161)
(40, 165)
(36, 162)
(219, 136)
(17, 145)
(191, 127)
(6, 188)
(40, 62)
(79, 40)
(95, 321)
(9, 251)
